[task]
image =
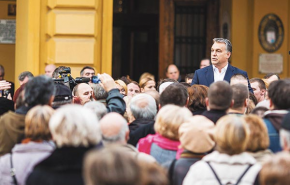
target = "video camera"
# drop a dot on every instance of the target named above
(66, 78)
(5, 93)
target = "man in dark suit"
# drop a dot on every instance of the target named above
(220, 69)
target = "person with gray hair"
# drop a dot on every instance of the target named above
(75, 130)
(115, 131)
(99, 93)
(220, 69)
(143, 108)
(175, 94)
(98, 108)
(24, 77)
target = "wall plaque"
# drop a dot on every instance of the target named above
(271, 33)
(271, 63)
(7, 31)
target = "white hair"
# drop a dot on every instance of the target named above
(143, 106)
(74, 125)
(119, 138)
(284, 135)
(99, 108)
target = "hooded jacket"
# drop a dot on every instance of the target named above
(273, 120)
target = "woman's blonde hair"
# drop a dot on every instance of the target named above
(146, 75)
(36, 123)
(258, 133)
(122, 84)
(75, 125)
(251, 106)
(266, 83)
(231, 135)
(169, 119)
(143, 82)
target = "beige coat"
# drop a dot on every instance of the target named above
(228, 169)
(138, 155)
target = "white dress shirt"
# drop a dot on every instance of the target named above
(219, 76)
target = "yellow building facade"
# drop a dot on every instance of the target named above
(71, 33)
(246, 18)
(76, 33)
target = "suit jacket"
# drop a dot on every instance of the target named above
(205, 76)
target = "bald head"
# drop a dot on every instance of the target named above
(49, 70)
(114, 128)
(239, 79)
(172, 72)
(84, 92)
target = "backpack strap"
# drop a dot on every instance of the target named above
(216, 176)
(240, 178)
(171, 171)
(238, 181)
(12, 171)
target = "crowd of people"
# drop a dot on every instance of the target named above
(216, 127)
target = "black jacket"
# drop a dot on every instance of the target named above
(134, 125)
(6, 105)
(63, 167)
(141, 132)
(214, 115)
(179, 168)
(115, 102)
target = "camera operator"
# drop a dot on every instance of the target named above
(55, 73)
(62, 96)
(87, 72)
(83, 93)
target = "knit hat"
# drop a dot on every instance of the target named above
(62, 93)
(197, 134)
(286, 122)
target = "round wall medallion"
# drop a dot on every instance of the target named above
(271, 32)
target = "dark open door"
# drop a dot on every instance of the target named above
(135, 38)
